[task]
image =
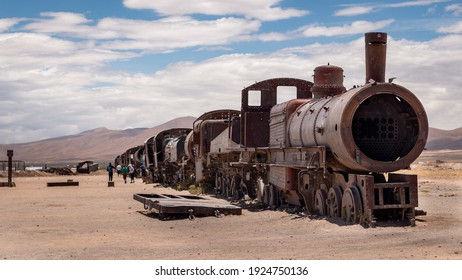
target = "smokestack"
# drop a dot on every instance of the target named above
(376, 56)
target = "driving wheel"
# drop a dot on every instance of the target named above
(334, 202)
(320, 204)
(351, 205)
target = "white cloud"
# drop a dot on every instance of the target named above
(27, 51)
(157, 35)
(58, 22)
(43, 85)
(427, 68)
(413, 3)
(355, 27)
(69, 24)
(46, 95)
(7, 23)
(266, 10)
(354, 11)
(361, 9)
(456, 9)
(178, 33)
(273, 36)
(454, 28)
(56, 81)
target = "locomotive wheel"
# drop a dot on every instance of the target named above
(266, 195)
(252, 188)
(232, 187)
(225, 186)
(351, 205)
(320, 204)
(334, 202)
(260, 186)
(270, 196)
(274, 197)
(218, 184)
(244, 189)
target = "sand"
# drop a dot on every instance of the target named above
(93, 222)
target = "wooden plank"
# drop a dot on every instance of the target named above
(62, 184)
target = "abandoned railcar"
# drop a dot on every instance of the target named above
(333, 151)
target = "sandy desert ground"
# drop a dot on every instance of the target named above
(92, 221)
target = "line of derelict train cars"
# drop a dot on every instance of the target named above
(330, 150)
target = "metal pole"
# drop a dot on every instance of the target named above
(9, 153)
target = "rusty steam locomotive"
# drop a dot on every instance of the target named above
(330, 150)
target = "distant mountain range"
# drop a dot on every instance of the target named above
(439, 139)
(103, 145)
(100, 145)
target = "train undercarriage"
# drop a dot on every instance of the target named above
(298, 176)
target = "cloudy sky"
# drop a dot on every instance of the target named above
(74, 65)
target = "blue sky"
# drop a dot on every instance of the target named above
(70, 66)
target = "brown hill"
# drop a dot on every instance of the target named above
(99, 145)
(103, 145)
(439, 139)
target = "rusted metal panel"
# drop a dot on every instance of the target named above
(411, 179)
(269, 92)
(284, 178)
(167, 204)
(278, 131)
(277, 176)
(279, 116)
(400, 192)
(306, 157)
(255, 119)
(256, 129)
(223, 144)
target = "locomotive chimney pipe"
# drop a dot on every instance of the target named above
(376, 56)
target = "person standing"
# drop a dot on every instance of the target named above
(110, 171)
(131, 171)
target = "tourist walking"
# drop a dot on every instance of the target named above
(124, 171)
(143, 170)
(118, 169)
(131, 171)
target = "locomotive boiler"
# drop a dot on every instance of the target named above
(329, 149)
